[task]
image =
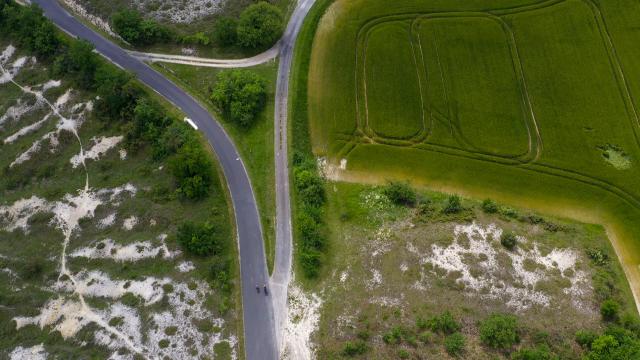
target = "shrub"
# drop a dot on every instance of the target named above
(392, 337)
(240, 95)
(225, 31)
(220, 272)
(400, 193)
(455, 344)
(403, 354)
(79, 62)
(200, 239)
(541, 352)
(443, 323)
(354, 348)
(33, 268)
(584, 338)
(609, 309)
(499, 331)
(508, 240)
(489, 206)
(198, 38)
(117, 94)
(164, 343)
(130, 25)
(193, 170)
(597, 256)
(453, 205)
(130, 299)
(310, 187)
(260, 25)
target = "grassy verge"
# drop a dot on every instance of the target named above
(255, 143)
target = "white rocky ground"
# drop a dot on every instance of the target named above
(36, 352)
(179, 11)
(303, 314)
(68, 310)
(516, 285)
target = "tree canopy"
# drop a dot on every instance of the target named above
(240, 95)
(260, 25)
(133, 28)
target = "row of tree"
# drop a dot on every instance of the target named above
(260, 25)
(310, 226)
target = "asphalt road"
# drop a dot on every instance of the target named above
(258, 316)
(284, 244)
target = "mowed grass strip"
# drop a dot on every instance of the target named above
(474, 54)
(393, 98)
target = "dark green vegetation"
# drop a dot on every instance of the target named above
(260, 26)
(420, 310)
(309, 223)
(212, 35)
(483, 99)
(154, 139)
(240, 95)
(254, 142)
(130, 25)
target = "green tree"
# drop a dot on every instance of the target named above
(455, 344)
(260, 25)
(79, 62)
(126, 23)
(240, 95)
(193, 170)
(609, 309)
(200, 239)
(310, 187)
(31, 29)
(133, 28)
(499, 331)
(225, 31)
(117, 93)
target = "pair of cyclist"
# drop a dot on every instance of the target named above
(264, 286)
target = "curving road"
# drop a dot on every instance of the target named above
(258, 318)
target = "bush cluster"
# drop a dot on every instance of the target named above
(240, 95)
(499, 331)
(310, 195)
(133, 28)
(400, 193)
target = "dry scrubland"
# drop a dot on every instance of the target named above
(533, 103)
(394, 266)
(89, 264)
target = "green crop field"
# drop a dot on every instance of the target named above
(533, 103)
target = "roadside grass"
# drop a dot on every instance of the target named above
(255, 143)
(30, 260)
(374, 235)
(230, 8)
(475, 149)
